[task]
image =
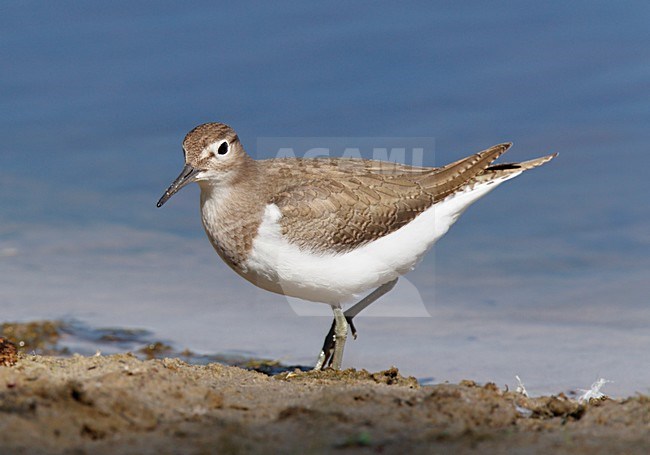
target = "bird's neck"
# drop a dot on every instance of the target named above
(231, 211)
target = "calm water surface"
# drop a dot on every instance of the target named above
(547, 278)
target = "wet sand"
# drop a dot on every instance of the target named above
(121, 404)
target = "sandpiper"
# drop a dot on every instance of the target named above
(327, 229)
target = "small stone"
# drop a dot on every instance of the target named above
(8, 353)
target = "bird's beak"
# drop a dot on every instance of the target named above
(187, 176)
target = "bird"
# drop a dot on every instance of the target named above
(329, 229)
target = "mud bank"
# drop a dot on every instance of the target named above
(120, 404)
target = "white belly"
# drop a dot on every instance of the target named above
(280, 266)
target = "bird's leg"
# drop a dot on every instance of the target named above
(340, 335)
(366, 301)
(326, 355)
(328, 346)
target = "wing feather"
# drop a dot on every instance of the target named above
(338, 205)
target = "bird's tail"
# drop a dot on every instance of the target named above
(497, 171)
(523, 166)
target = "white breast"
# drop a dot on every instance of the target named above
(280, 266)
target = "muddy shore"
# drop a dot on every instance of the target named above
(121, 404)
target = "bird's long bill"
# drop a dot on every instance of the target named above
(186, 176)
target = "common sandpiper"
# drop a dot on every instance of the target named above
(327, 229)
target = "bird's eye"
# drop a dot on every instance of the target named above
(223, 148)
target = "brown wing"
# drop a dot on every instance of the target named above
(342, 204)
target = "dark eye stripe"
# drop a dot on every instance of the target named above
(223, 148)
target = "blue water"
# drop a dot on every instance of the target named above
(547, 278)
